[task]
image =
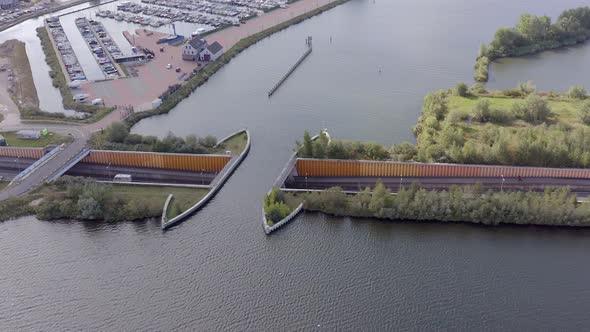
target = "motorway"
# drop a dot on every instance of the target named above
(79, 134)
(141, 174)
(581, 187)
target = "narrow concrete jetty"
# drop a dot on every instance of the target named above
(284, 78)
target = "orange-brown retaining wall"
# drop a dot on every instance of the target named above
(323, 167)
(33, 153)
(182, 162)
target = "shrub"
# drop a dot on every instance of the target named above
(461, 89)
(584, 113)
(478, 88)
(455, 116)
(481, 110)
(577, 92)
(533, 109)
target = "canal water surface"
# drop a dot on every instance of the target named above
(372, 63)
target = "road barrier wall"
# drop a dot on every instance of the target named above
(31, 153)
(329, 167)
(175, 161)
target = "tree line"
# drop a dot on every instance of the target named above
(533, 34)
(556, 207)
(324, 148)
(118, 137)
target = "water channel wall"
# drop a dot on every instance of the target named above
(280, 183)
(269, 229)
(217, 183)
(348, 168)
(184, 162)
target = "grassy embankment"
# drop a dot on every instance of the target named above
(59, 81)
(236, 144)
(51, 138)
(23, 93)
(203, 75)
(84, 199)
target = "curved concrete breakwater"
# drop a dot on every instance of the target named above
(214, 187)
(280, 182)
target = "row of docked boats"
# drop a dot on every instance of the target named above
(133, 18)
(99, 42)
(65, 50)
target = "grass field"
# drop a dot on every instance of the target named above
(3, 184)
(183, 197)
(235, 144)
(564, 111)
(51, 138)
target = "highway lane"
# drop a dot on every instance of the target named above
(79, 134)
(578, 186)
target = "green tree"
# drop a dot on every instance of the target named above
(208, 141)
(533, 109)
(380, 199)
(526, 87)
(507, 39)
(461, 89)
(117, 132)
(534, 27)
(577, 92)
(404, 151)
(435, 104)
(584, 113)
(483, 50)
(307, 145)
(481, 110)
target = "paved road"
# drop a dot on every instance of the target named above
(79, 134)
(578, 186)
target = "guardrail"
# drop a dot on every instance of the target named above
(62, 170)
(36, 164)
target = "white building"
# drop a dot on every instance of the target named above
(193, 48)
(212, 52)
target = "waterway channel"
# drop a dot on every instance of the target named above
(372, 63)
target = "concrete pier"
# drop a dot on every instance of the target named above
(284, 78)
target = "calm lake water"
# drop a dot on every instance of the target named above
(218, 271)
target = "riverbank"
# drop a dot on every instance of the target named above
(534, 34)
(85, 199)
(204, 75)
(554, 207)
(19, 92)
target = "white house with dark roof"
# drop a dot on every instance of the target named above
(193, 48)
(211, 52)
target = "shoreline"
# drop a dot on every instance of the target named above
(204, 75)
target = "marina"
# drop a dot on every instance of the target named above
(68, 57)
(104, 49)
